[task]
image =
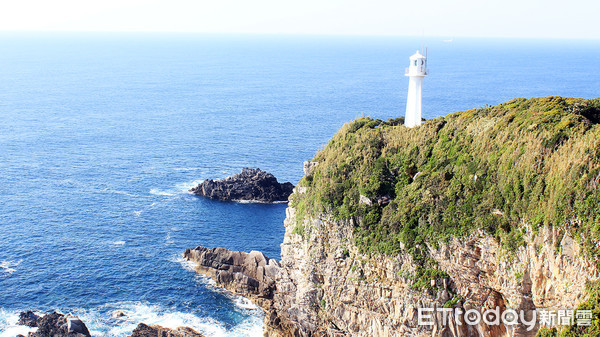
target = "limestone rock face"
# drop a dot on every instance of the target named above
(143, 330)
(249, 185)
(342, 292)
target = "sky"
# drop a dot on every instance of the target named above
(571, 19)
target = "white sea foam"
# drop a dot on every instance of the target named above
(185, 187)
(156, 191)
(187, 265)
(101, 323)
(168, 239)
(137, 213)
(118, 243)
(109, 190)
(186, 169)
(8, 267)
(178, 189)
(244, 303)
(260, 202)
(9, 327)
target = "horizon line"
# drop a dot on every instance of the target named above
(445, 37)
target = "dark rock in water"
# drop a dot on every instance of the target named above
(143, 330)
(54, 325)
(250, 185)
(75, 325)
(28, 318)
(119, 314)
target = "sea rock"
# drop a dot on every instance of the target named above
(28, 318)
(75, 325)
(143, 330)
(55, 325)
(248, 185)
(251, 274)
(119, 314)
(264, 281)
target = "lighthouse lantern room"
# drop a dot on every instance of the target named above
(416, 73)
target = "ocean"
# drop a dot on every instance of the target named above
(102, 135)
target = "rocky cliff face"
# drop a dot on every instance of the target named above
(323, 286)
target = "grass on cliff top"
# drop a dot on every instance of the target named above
(535, 160)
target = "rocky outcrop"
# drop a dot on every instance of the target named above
(59, 325)
(28, 318)
(143, 330)
(324, 286)
(54, 325)
(252, 275)
(249, 185)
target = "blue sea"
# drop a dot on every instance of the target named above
(102, 135)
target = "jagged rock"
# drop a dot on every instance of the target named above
(249, 185)
(143, 330)
(28, 318)
(58, 325)
(251, 274)
(119, 314)
(75, 325)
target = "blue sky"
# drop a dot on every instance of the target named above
(449, 18)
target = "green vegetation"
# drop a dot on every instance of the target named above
(453, 301)
(535, 160)
(299, 229)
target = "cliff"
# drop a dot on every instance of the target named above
(492, 208)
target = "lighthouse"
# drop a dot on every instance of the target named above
(416, 73)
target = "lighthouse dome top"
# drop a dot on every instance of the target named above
(418, 65)
(417, 55)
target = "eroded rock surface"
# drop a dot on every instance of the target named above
(248, 185)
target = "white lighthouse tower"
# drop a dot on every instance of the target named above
(416, 73)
